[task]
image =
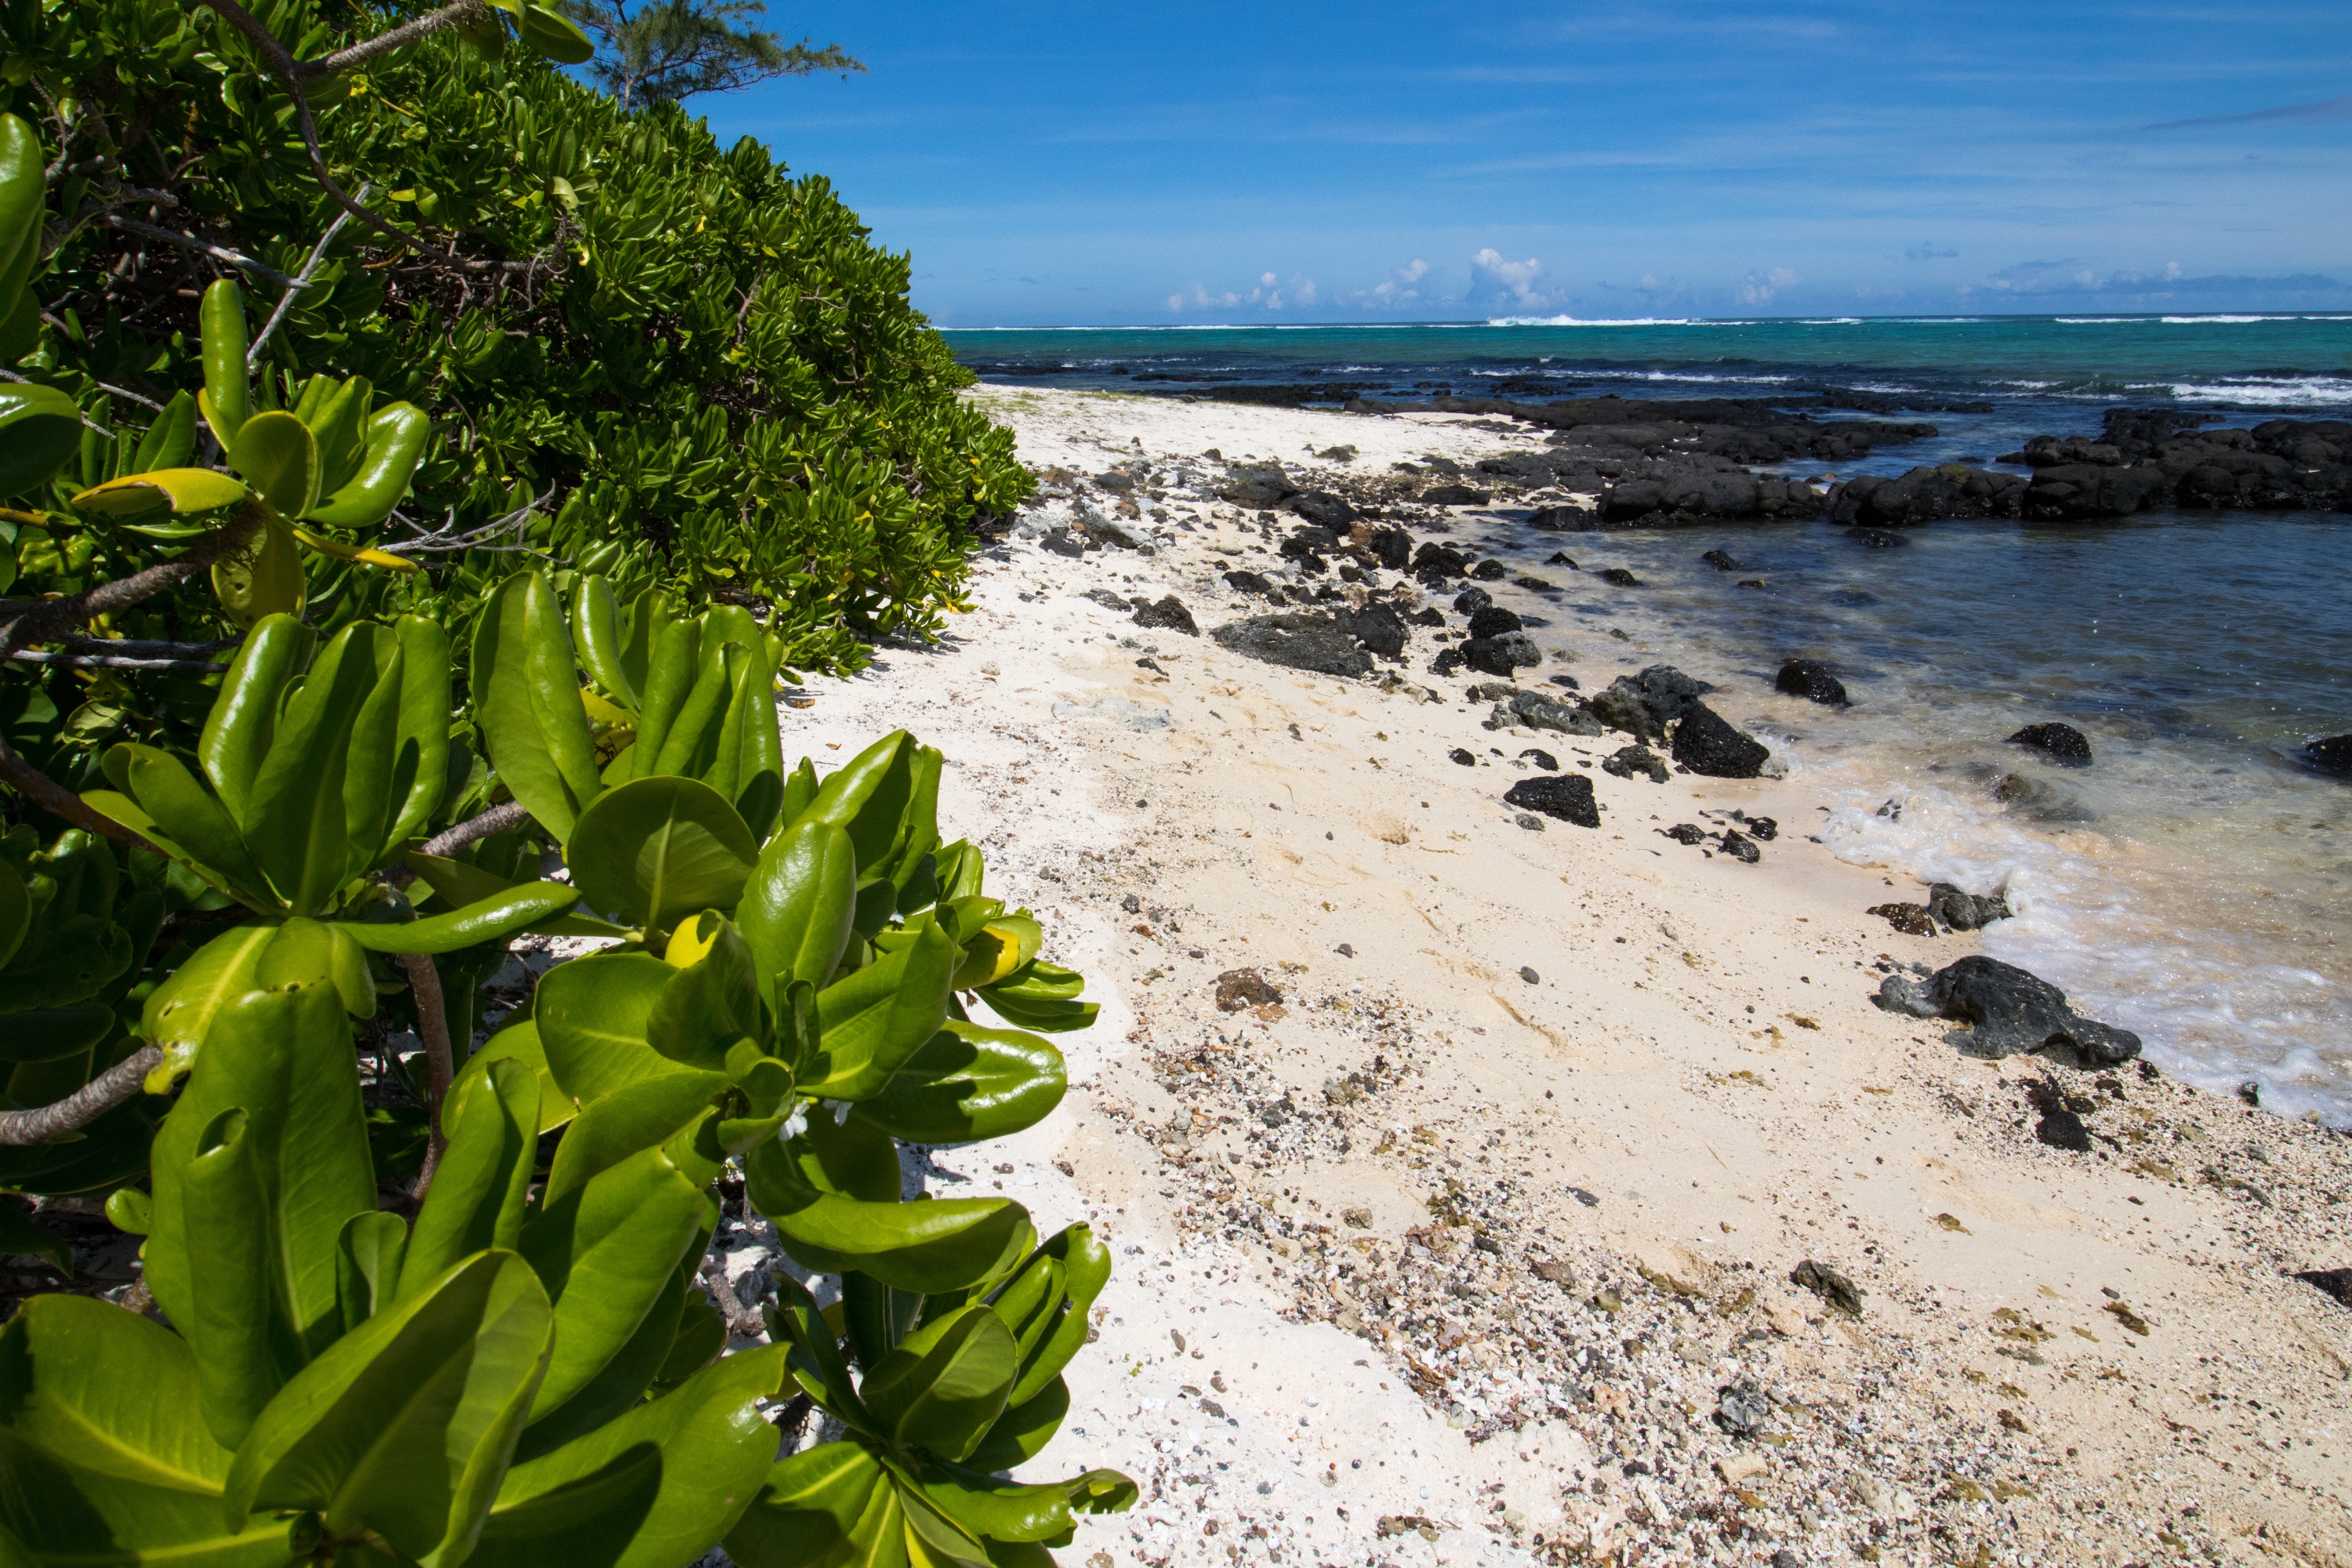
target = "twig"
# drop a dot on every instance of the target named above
(385, 43)
(474, 830)
(433, 1028)
(202, 246)
(301, 281)
(140, 648)
(118, 661)
(121, 1082)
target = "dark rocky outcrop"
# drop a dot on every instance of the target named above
(2086, 489)
(1433, 564)
(1503, 655)
(1925, 495)
(1705, 744)
(1455, 495)
(1322, 509)
(2008, 1011)
(1564, 518)
(1256, 484)
(1643, 705)
(1811, 680)
(1297, 641)
(1965, 912)
(1378, 626)
(1537, 712)
(1489, 571)
(1564, 798)
(1619, 577)
(1630, 760)
(1492, 620)
(1252, 582)
(1722, 562)
(1472, 600)
(2061, 744)
(1169, 613)
(2330, 754)
(1391, 547)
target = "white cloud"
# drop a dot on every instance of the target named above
(1413, 271)
(1512, 282)
(1265, 280)
(1760, 286)
(2172, 269)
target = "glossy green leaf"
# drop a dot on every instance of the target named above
(52, 1034)
(405, 1427)
(553, 35)
(872, 1019)
(369, 1257)
(669, 679)
(180, 1010)
(396, 438)
(868, 797)
(606, 1250)
(708, 1006)
(592, 1013)
(796, 907)
(421, 758)
(171, 439)
(306, 951)
(527, 704)
(243, 723)
(220, 319)
(277, 454)
(644, 1114)
(656, 850)
(596, 628)
(285, 1059)
(476, 1198)
(932, 1244)
(340, 427)
(108, 1392)
(165, 489)
(624, 1379)
(20, 1236)
(944, 1386)
(294, 822)
(244, 1346)
(1022, 1433)
(494, 919)
(966, 1084)
(516, 1042)
(811, 1503)
(40, 429)
(183, 809)
(601, 1502)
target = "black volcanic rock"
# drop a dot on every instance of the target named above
(1169, 613)
(2061, 744)
(1503, 655)
(1564, 798)
(1492, 620)
(1297, 641)
(2008, 1010)
(1811, 680)
(1705, 743)
(2331, 755)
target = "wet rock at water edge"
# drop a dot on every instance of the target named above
(1644, 705)
(1434, 563)
(1811, 680)
(1618, 576)
(1454, 495)
(2008, 1011)
(1561, 558)
(1239, 988)
(1297, 641)
(2061, 744)
(1167, 614)
(1722, 562)
(1965, 912)
(1631, 761)
(1502, 655)
(2330, 754)
(1489, 571)
(1828, 1284)
(1564, 798)
(1705, 744)
(1472, 600)
(1537, 712)
(1565, 518)
(1876, 538)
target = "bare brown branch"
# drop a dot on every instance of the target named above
(116, 1085)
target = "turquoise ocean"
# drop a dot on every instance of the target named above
(2196, 883)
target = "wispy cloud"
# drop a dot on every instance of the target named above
(2326, 109)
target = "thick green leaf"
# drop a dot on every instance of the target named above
(172, 489)
(294, 821)
(421, 757)
(553, 35)
(592, 1013)
(669, 677)
(708, 1006)
(340, 428)
(227, 394)
(516, 1042)
(494, 919)
(527, 704)
(795, 909)
(967, 1084)
(277, 454)
(108, 1392)
(285, 1059)
(396, 436)
(171, 439)
(871, 1020)
(624, 1379)
(1054, 1333)
(52, 1034)
(185, 810)
(944, 1386)
(477, 1192)
(40, 429)
(606, 1250)
(596, 629)
(656, 850)
(931, 1245)
(180, 1010)
(369, 1255)
(306, 951)
(806, 1512)
(242, 722)
(244, 1346)
(644, 1114)
(405, 1426)
(868, 798)
(1022, 1433)
(598, 1503)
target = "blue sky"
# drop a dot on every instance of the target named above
(1068, 164)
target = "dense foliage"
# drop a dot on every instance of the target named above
(458, 1302)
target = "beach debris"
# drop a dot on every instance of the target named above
(1307, 641)
(1684, 833)
(1528, 974)
(2061, 744)
(1166, 614)
(1542, 758)
(2008, 1011)
(1635, 759)
(1737, 845)
(1828, 1284)
(1239, 988)
(1117, 711)
(1061, 541)
(1532, 824)
(1708, 744)
(1565, 797)
(1108, 600)
(1463, 756)
(1811, 680)
(1751, 582)
(1741, 1408)
(1762, 829)
(2329, 754)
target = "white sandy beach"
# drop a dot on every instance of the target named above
(1451, 1255)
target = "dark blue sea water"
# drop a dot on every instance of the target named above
(2196, 883)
